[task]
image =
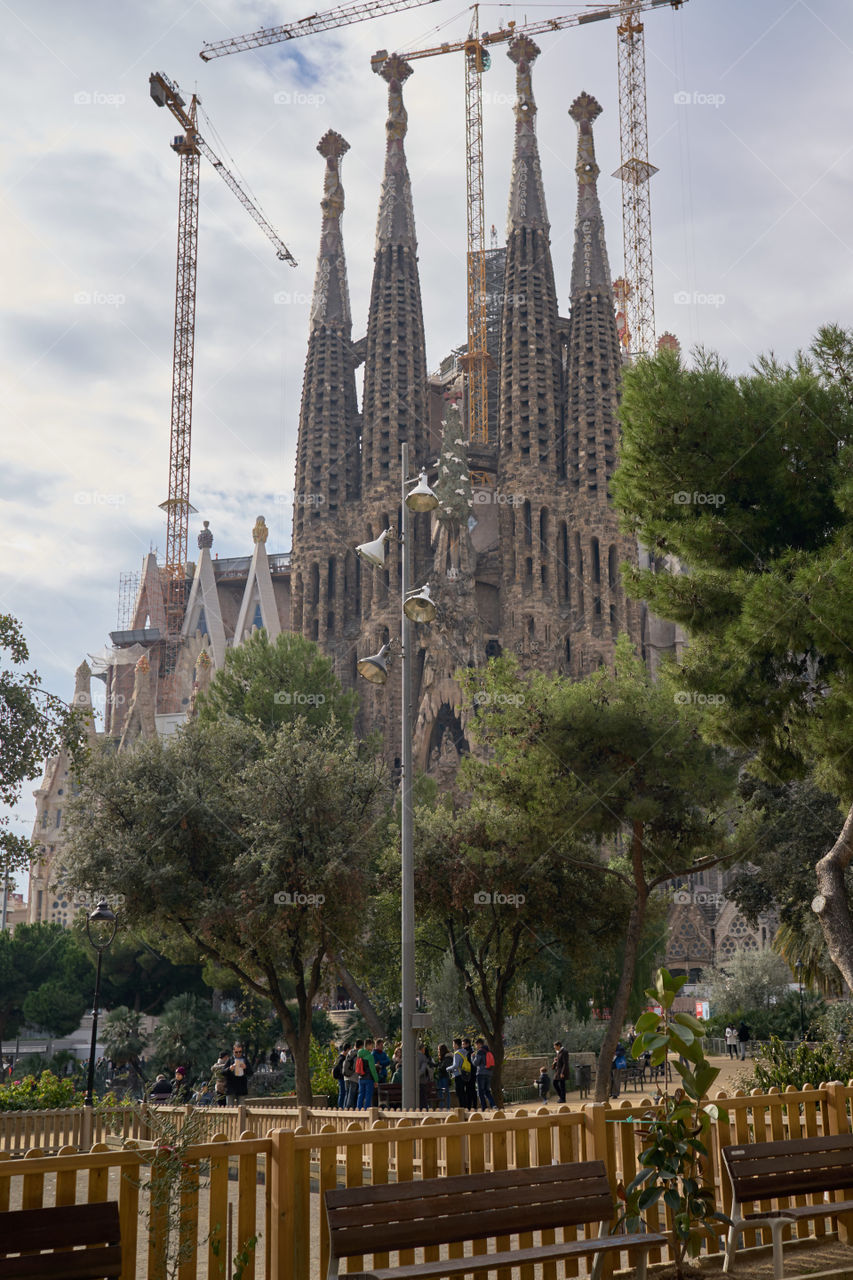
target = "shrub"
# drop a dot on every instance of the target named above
(806, 1064)
(39, 1093)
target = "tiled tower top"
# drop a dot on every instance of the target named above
(330, 305)
(396, 221)
(590, 268)
(528, 414)
(526, 194)
(594, 356)
(394, 405)
(327, 452)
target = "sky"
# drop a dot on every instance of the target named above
(749, 104)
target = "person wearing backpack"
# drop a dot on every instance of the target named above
(338, 1074)
(560, 1067)
(350, 1077)
(484, 1063)
(367, 1075)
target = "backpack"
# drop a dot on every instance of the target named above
(349, 1063)
(490, 1059)
(338, 1069)
(466, 1064)
(360, 1068)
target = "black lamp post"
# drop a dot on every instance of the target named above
(100, 930)
(800, 983)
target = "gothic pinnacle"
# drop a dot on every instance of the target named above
(330, 304)
(526, 194)
(590, 267)
(396, 221)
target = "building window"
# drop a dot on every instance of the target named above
(58, 817)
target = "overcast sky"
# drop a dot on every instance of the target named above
(749, 107)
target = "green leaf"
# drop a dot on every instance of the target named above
(687, 1020)
(648, 1021)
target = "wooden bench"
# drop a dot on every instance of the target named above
(799, 1167)
(389, 1097)
(73, 1242)
(478, 1206)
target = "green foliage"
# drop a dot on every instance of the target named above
(534, 1025)
(749, 980)
(322, 1058)
(269, 684)
(675, 1136)
(447, 1003)
(39, 1093)
(253, 849)
(122, 1036)
(35, 723)
(137, 974)
(45, 979)
(781, 1019)
(777, 1067)
(189, 1034)
(770, 583)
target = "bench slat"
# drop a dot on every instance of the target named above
(78, 1264)
(802, 1166)
(512, 1257)
(25, 1234)
(584, 1171)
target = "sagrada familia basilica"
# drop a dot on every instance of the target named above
(522, 554)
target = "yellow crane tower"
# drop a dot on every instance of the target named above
(190, 146)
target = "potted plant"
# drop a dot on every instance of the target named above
(674, 1134)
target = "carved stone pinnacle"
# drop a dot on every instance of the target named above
(585, 107)
(332, 145)
(523, 49)
(395, 68)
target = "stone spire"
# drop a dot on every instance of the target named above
(395, 377)
(529, 395)
(526, 193)
(327, 454)
(590, 268)
(330, 304)
(594, 354)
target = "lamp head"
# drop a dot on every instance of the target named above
(374, 552)
(101, 925)
(421, 498)
(374, 668)
(420, 606)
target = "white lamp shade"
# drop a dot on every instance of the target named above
(374, 668)
(420, 607)
(374, 552)
(421, 498)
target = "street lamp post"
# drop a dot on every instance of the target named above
(100, 930)
(417, 606)
(800, 984)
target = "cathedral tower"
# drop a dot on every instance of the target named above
(327, 460)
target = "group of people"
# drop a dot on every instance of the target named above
(361, 1067)
(737, 1039)
(228, 1084)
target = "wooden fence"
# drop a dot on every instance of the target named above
(270, 1184)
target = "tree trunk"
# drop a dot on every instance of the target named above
(304, 1093)
(636, 920)
(359, 998)
(831, 905)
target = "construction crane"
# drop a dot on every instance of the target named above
(332, 18)
(190, 146)
(634, 171)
